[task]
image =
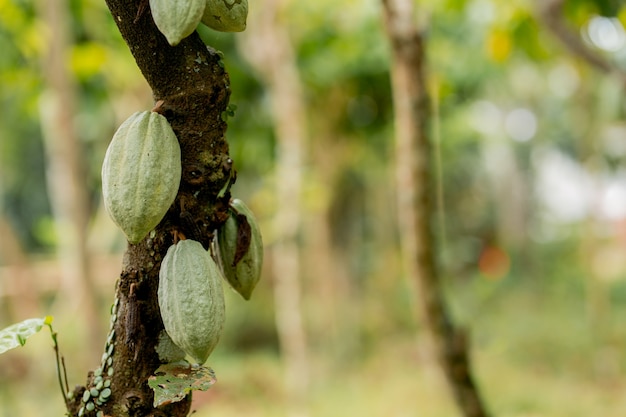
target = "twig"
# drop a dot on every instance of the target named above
(60, 361)
(67, 385)
(551, 13)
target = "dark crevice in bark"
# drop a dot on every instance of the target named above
(191, 89)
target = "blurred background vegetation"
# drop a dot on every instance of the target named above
(531, 147)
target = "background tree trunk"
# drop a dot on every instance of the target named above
(414, 182)
(271, 54)
(16, 288)
(191, 90)
(67, 188)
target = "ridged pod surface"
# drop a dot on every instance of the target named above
(141, 173)
(226, 15)
(177, 19)
(191, 299)
(241, 270)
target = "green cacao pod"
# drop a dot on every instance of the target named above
(177, 19)
(141, 173)
(167, 350)
(241, 249)
(191, 299)
(226, 15)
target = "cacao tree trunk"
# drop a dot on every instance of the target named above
(414, 187)
(191, 89)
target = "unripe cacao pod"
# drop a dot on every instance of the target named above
(167, 350)
(141, 173)
(177, 19)
(191, 299)
(241, 249)
(226, 15)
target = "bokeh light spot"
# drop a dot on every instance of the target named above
(521, 125)
(606, 33)
(485, 117)
(563, 80)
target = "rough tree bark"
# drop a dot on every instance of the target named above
(191, 89)
(269, 51)
(414, 181)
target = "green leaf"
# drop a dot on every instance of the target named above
(16, 334)
(173, 381)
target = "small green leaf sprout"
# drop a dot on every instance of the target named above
(229, 112)
(105, 394)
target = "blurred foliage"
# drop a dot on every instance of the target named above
(510, 102)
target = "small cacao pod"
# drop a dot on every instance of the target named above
(241, 249)
(191, 299)
(141, 173)
(177, 19)
(226, 15)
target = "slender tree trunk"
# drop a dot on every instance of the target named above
(509, 191)
(191, 90)
(20, 300)
(270, 52)
(65, 174)
(329, 281)
(414, 182)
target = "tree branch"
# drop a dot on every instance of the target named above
(551, 13)
(191, 89)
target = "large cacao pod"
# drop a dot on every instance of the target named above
(226, 15)
(177, 19)
(141, 173)
(241, 249)
(191, 299)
